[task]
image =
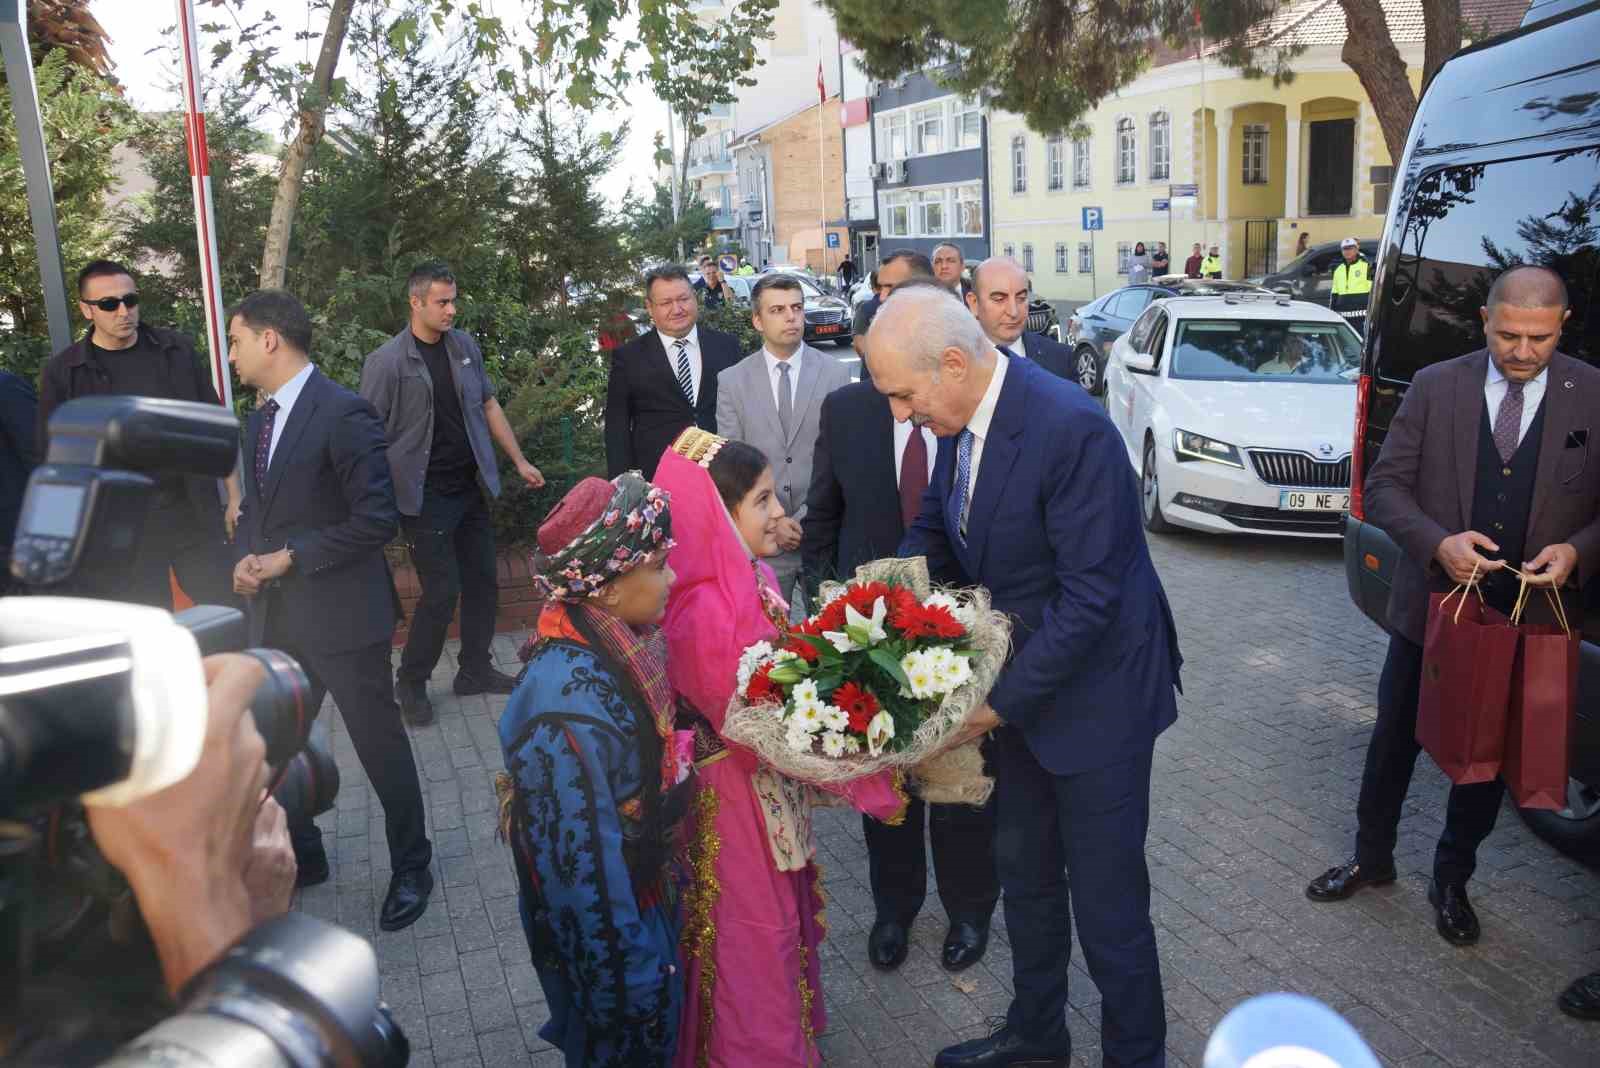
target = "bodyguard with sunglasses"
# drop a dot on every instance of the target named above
(189, 525)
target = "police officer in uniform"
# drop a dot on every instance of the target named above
(1211, 266)
(1352, 285)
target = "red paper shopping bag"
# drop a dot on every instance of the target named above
(1468, 654)
(1544, 699)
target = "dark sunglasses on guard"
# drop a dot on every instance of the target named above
(109, 304)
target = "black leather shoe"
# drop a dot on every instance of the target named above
(311, 869)
(964, 946)
(487, 680)
(1581, 1000)
(1456, 920)
(408, 899)
(1336, 884)
(414, 704)
(1004, 1048)
(887, 945)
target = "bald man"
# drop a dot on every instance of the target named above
(1046, 514)
(999, 298)
(1484, 467)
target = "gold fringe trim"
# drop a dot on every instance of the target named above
(722, 754)
(505, 789)
(700, 930)
(822, 898)
(898, 783)
(807, 995)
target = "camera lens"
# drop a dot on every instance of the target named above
(282, 706)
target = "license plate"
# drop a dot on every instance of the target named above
(1307, 501)
(834, 329)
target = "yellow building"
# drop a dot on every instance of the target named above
(1270, 163)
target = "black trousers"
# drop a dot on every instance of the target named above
(452, 548)
(1084, 831)
(1391, 757)
(363, 688)
(962, 837)
(195, 548)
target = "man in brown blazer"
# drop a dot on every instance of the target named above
(1485, 466)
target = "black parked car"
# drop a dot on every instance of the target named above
(1092, 328)
(828, 318)
(1042, 319)
(1498, 170)
(1309, 276)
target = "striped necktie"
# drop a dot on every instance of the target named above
(685, 376)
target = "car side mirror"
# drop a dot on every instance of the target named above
(1140, 363)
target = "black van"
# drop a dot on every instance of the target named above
(1502, 166)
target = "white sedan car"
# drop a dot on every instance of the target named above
(1238, 413)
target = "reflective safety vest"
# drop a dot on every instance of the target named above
(1210, 265)
(1352, 279)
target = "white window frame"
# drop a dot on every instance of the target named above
(1061, 257)
(972, 193)
(1126, 143)
(889, 125)
(932, 198)
(891, 203)
(1160, 148)
(922, 117)
(1082, 163)
(1027, 257)
(1124, 256)
(959, 110)
(1085, 257)
(1255, 145)
(1019, 164)
(1055, 163)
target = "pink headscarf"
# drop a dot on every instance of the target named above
(714, 611)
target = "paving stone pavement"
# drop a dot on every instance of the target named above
(1254, 793)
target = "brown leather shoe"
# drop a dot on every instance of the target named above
(1457, 923)
(1336, 884)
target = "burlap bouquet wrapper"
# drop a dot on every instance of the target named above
(941, 776)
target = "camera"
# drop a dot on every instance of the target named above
(106, 702)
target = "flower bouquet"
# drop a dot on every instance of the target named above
(880, 678)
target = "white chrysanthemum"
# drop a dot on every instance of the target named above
(852, 744)
(805, 693)
(956, 675)
(941, 599)
(751, 660)
(783, 656)
(833, 744)
(920, 673)
(961, 609)
(808, 717)
(835, 718)
(798, 739)
(879, 731)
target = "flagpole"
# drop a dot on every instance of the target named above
(822, 169)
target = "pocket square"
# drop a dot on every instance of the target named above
(1578, 439)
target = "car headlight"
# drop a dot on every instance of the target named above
(1189, 446)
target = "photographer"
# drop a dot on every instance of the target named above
(207, 860)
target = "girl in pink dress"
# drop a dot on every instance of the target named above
(753, 915)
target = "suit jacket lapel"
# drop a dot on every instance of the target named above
(810, 371)
(880, 441)
(1000, 452)
(1560, 405)
(299, 418)
(1469, 404)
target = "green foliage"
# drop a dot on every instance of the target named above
(733, 319)
(653, 234)
(84, 121)
(1051, 61)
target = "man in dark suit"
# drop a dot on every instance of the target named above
(901, 265)
(664, 381)
(867, 480)
(19, 408)
(1046, 514)
(319, 507)
(1484, 465)
(999, 298)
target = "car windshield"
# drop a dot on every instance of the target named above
(1265, 350)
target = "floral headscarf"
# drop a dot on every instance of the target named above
(600, 531)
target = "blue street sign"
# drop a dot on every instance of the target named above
(833, 240)
(1094, 219)
(1161, 204)
(1183, 190)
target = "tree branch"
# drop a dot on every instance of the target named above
(1441, 34)
(1370, 51)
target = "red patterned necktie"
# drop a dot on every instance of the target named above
(269, 415)
(913, 476)
(1508, 421)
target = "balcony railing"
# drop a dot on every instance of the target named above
(700, 168)
(724, 220)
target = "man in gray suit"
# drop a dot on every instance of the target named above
(772, 399)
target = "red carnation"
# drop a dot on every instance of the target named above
(861, 598)
(804, 650)
(832, 617)
(924, 621)
(761, 689)
(901, 599)
(858, 703)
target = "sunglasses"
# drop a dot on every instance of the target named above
(109, 304)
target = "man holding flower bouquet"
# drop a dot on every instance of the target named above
(1032, 496)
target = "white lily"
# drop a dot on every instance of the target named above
(860, 632)
(879, 731)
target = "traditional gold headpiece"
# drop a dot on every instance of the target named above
(698, 446)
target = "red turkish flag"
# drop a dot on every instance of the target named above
(822, 87)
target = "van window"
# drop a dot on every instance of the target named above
(1463, 226)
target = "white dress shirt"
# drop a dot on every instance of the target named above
(776, 376)
(693, 352)
(902, 434)
(286, 395)
(1494, 391)
(979, 425)
(1017, 349)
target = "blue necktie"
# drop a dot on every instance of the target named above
(963, 477)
